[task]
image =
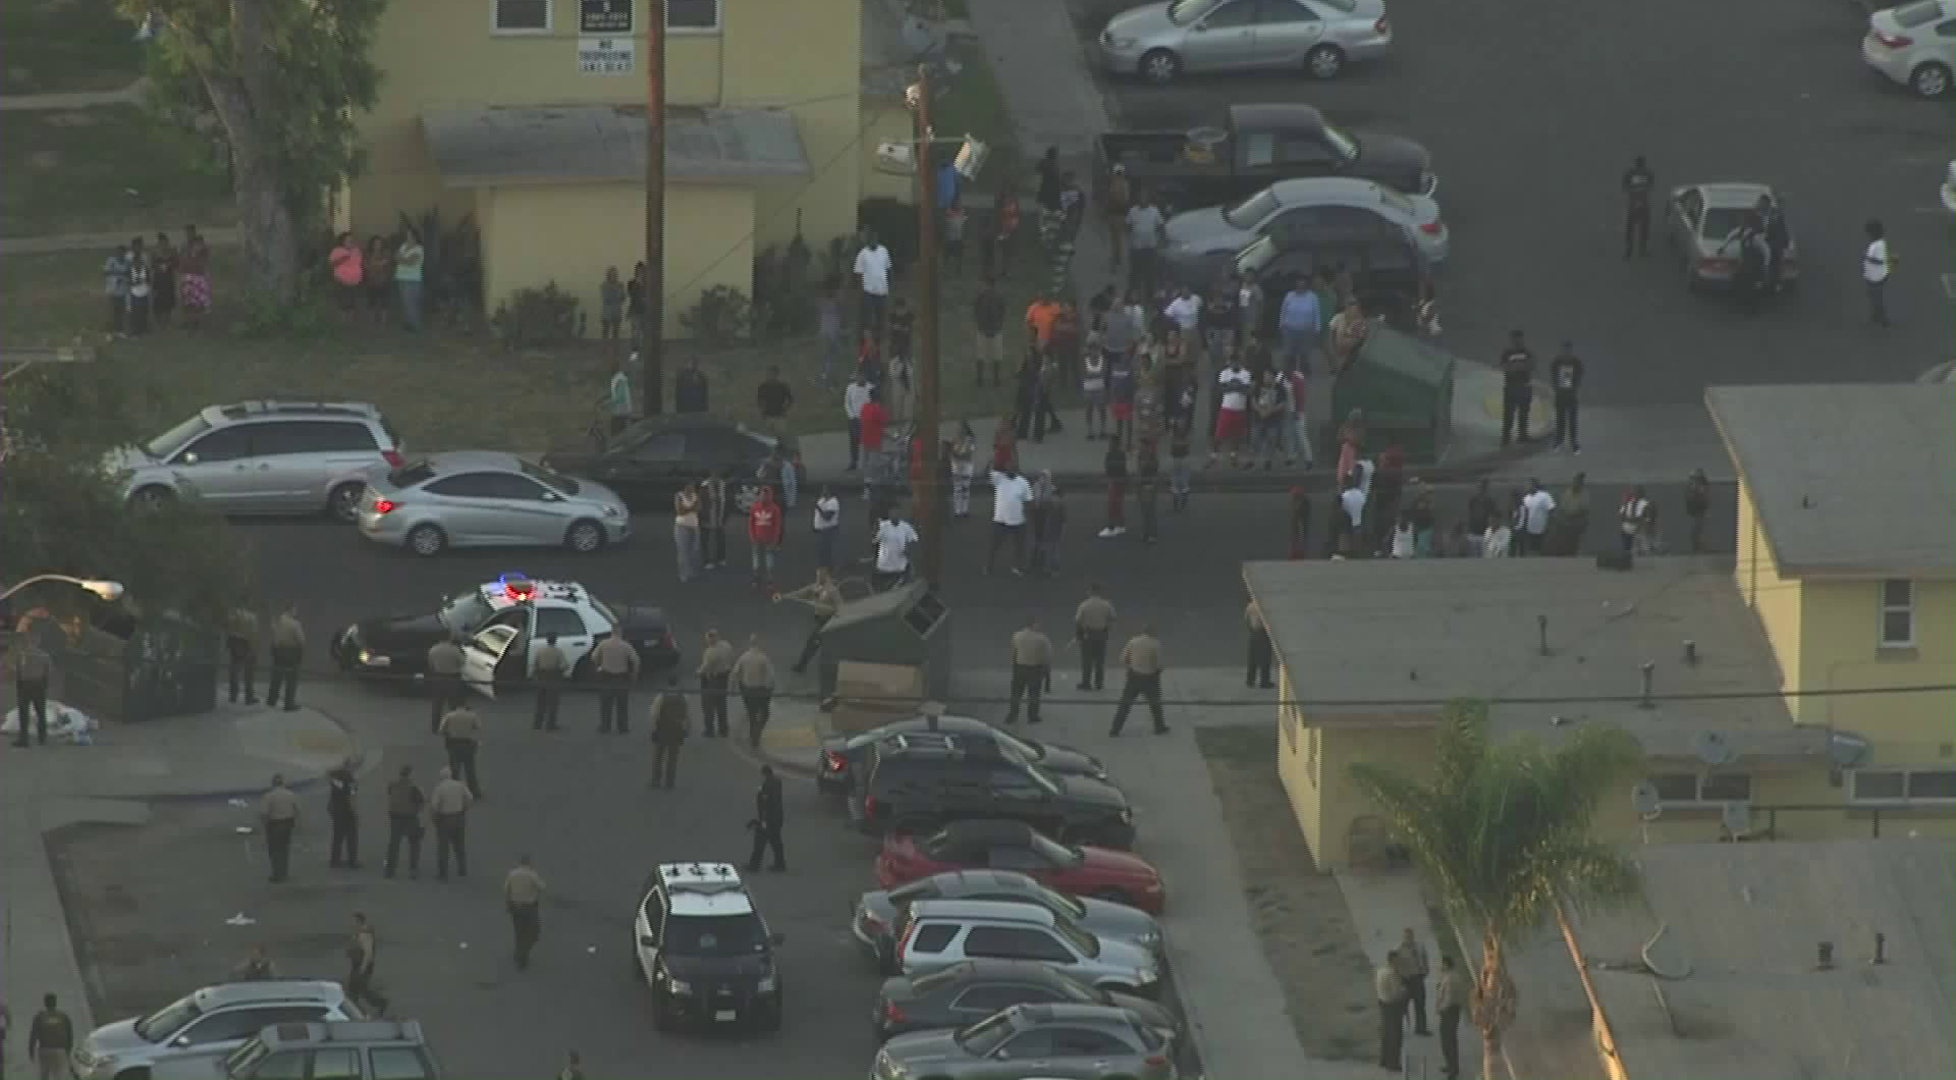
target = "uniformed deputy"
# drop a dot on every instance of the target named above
(766, 825)
(1638, 181)
(616, 663)
(1091, 622)
(753, 677)
(1450, 995)
(670, 726)
(551, 668)
(404, 804)
(449, 805)
(51, 1039)
(280, 811)
(1257, 673)
(460, 730)
(716, 668)
(523, 895)
(444, 680)
(255, 967)
(341, 789)
(823, 599)
(288, 645)
(1390, 991)
(32, 668)
(362, 953)
(1032, 658)
(1141, 656)
(241, 646)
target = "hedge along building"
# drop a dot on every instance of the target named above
(529, 115)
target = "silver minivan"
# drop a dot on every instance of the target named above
(263, 457)
(201, 1027)
(935, 934)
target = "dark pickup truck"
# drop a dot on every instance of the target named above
(1259, 145)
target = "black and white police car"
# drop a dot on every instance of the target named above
(703, 948)
(502, 624)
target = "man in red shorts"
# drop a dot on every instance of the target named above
(1233, 414)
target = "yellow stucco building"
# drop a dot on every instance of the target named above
(529, 115)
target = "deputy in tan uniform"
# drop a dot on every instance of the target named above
(617, 666)
(1257, 674)
(33, 667)
(279, 810)
(461, 732)
(1141, 656)
(551, 669)
(444, 680)
(716, 669)
(1032, 658)
(1091, 622)
(288, 645)
(404, 805)
(241, 646)
(449, 805)
(522, 894)
(823, 599)
(1390, 990)
(753, 677)
(1450, 995)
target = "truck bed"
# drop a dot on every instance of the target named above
(1158, 154)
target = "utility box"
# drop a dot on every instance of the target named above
(871, 695)
(905, 627)
(1405, 387)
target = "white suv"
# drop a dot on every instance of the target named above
(935, 934)
(207, 1023)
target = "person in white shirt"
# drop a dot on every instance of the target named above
(1494, 542)
(1403, 539)
(1232, 411)
(1010, 494)
(873, 273)
(854, 397)
(1537, 508)
(1876, 263)
(1351, 526)
(1185, 311)
(828, 528)
(894, 538)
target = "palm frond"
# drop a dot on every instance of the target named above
(1460, 744)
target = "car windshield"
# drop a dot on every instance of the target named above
(715, 936)
(1723, 221)
(924, 984)
(1023, 748)
(245, 1058)
(465, 612)
(168, 1020)
(604, 612)
(1260, 254)
(1346, 6)
(1914, 15)
(556, 481)
(1043, 778)
(1345, 143)
(1252, 211)
(174, 439)
(407, 476)
(1184, 12)
(1057, 853)
(1083, 941)
(987, 1035)
(945, 844)
(1059, 901)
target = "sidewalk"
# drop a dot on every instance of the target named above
(1382, 905)
(229, 753)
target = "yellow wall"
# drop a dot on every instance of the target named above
(1315, 773)
(533, 235)
(1775, 600)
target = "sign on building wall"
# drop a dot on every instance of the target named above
(604, 17)
(604, 55)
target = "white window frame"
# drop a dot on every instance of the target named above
(1888, 609)
(1698, 801)
(1855, 798)
(719, 20)
(549, 21)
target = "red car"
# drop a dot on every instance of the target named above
(996, 844)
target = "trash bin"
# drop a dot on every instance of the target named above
(907, 626)
(169, 667)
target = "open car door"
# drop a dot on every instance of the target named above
(481, 655)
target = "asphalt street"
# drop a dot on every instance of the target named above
(1532, 118)
(336, 577)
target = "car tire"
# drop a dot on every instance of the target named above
(586, 537)
(1160, 67)
(1929, 81)
(1325, 62)
(1113, 896)
(151, 497)
(426, 541)
(343, 502)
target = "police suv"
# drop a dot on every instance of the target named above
(703, 948)
(503, 623)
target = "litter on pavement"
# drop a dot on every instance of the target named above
(65, 724)
(241, 919)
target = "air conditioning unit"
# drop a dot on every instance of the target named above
(896, 158)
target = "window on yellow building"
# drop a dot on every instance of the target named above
(1700, 789)
(1904, 786)
(696, 15)
(1897, 614)
(521, 16)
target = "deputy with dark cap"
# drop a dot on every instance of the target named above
(670, 726)
(444, 680)
(1638, 181)
(342, 790)
(551, 668)
(280, 811)
(766, 825)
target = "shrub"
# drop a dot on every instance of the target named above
(722, 315)
(532, 317)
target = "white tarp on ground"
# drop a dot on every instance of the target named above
(65, 724)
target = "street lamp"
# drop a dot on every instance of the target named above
(106, 590)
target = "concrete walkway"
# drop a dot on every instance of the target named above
(85, 99)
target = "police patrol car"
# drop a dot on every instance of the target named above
(704, 950)
(502, 623)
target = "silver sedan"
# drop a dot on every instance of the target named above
(1300, 206)
(1705, 223)
(479, 498)
(1161, 41)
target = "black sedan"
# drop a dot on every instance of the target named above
(842, 757)
(966, 993)
(651, 460)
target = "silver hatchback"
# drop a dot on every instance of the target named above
(1161, 41)
(482, 498)
(263, 457)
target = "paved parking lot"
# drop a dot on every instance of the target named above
(1532, 118)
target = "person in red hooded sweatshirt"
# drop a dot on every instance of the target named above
(764, 533)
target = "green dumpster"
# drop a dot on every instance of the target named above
(907, 626)
(1405, 387)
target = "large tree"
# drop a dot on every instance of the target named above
(1504, 832)
(284, 78)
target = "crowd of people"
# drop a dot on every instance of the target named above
(146, 285)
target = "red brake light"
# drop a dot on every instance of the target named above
(1157, 1060)
(891, 1013)
(1894, 41)
(834, 761)
(1431, 228)
(393, 458)
(384, 506)
(1383, 26)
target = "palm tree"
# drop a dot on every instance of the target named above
(1504, 832)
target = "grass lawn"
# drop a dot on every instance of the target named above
(104, 169)
(58, 46)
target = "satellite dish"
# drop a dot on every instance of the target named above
(1712, 749)
(1645, 798)
(1845, 749)
(1738, 818)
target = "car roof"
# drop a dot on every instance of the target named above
(222, 995)
(1073, 1012)
(982, 910)
(1284, 116)
(698, 889)
(991, 968)
(510, 590)
(345, 1031)
(1330, 191)
(979, 880)
(957, 725)
(449, 461)
(1735, 193)
(291, 410)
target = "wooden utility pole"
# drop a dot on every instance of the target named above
(652, 349)
(931, 498)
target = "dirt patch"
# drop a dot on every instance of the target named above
(1298, 913)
